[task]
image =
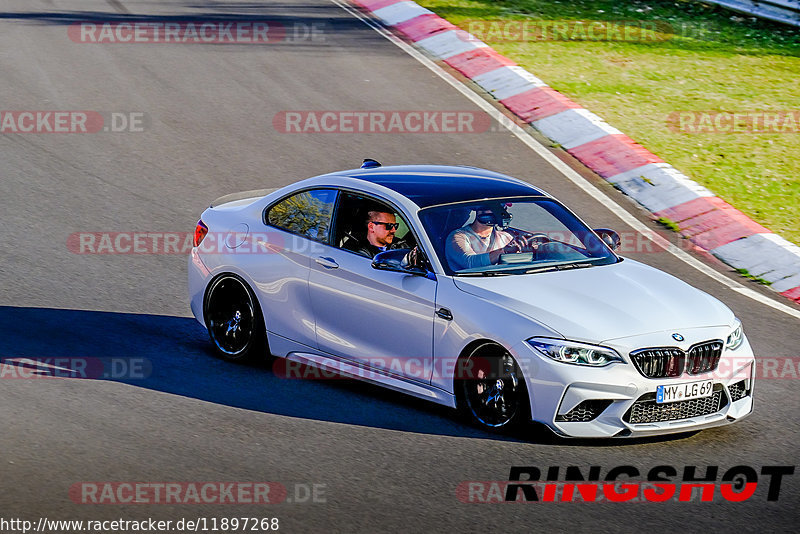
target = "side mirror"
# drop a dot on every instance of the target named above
(609, 237)
(395, 260)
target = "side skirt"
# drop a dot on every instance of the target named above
(334, 365)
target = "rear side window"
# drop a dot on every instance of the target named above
(307, 213)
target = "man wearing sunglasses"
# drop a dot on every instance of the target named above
(381, 227)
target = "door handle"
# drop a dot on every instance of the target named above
(328, 263)
(445, 314)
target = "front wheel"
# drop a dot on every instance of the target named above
(491, 390)
(234, 321)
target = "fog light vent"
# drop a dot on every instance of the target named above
(586, 411)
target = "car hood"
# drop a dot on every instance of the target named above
(601, 303)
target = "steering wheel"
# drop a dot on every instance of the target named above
(529, 242)
(534, 240)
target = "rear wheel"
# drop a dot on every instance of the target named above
(234, 321)
(491, 391)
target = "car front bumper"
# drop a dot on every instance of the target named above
(618, 401)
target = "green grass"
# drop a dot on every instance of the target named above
(712, 60)
(746, 274)
(669, 223)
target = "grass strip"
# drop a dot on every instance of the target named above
(639, 65)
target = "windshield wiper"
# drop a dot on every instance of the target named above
(559, 267)
(553, 266)
(485, 273)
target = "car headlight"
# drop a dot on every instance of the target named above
(736, 337)
(575, 353)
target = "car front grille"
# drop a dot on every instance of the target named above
(646, 410)
(584, 412)
(672, 362)
(704, 357)
(660, 362)
(738, 391)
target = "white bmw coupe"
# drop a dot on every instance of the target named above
(471, 289)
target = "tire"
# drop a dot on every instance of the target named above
(234, 321)
(491, 391)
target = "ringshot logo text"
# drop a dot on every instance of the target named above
(528, 484)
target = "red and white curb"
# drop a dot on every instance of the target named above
(708, 221)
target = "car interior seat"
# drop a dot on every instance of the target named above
(351, 233)
(445, 222)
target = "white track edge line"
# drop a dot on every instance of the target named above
(570, 173)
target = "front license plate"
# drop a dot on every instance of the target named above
(681, 392)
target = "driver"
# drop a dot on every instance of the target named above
(481, 243)
(381, 227)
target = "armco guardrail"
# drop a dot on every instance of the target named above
(786, 11)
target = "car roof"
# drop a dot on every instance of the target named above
(431, 185)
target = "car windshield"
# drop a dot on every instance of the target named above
(512, 236)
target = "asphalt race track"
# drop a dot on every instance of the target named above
(378, 460)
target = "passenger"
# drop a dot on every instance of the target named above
(479, 244)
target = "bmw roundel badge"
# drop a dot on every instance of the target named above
(677, 337)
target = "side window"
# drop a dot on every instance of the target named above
(307, 213)
(352, 227)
